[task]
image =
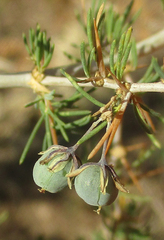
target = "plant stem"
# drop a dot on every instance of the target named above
(92, 131)
(112, 129)
(144, 47)
(22, 79)
(51, 124)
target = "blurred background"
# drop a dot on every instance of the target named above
(29, 214)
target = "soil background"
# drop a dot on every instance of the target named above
(61, 216)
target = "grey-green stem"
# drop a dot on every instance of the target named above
(53, 78)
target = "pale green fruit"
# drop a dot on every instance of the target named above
(51, 181)
(87, 186)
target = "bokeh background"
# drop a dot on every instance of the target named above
(61, 216)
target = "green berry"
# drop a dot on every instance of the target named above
(48, 180)
(88, 186)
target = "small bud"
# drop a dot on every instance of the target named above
(50, 169)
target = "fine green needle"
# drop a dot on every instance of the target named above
(31, 138)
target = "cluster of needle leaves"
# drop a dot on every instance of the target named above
(39, 48)
(52, 107)
(109, 54)
(118, 64)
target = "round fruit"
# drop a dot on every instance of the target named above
(50, 181)
(87, 186)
